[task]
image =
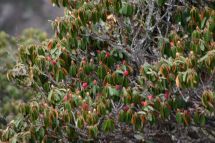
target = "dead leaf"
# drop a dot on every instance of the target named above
(177, 81)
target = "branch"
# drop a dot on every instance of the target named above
(151, 6)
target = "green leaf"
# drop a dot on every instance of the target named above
(57, 75)
(64, 3)
(203, 22)
(184, 76)
(108, 125)
(161, 2)
(166, 112)
(120, 55)
(196, 117)
(123, 10)
(202, 46)
(121, 116)
(41, 132)
(80, 122)
(202, 120)
(129, 10)
(101, 72)
(119, 71)
(113, 91)
(93, 131)
(178, 117)
(50, 95)
(68, 106)
(73, 70)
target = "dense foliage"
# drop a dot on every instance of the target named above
(116, 64)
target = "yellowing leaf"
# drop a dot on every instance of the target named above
(111, 17)
(177, 81)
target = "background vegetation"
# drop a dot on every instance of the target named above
(12, 95)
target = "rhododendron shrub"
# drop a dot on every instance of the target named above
(114, 64)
